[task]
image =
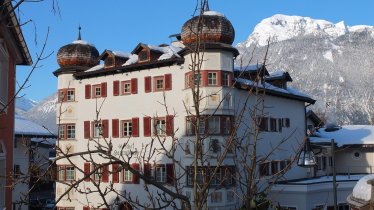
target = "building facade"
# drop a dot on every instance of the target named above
(139, 106)
(13, 51)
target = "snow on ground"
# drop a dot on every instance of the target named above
(328, 55)
(329, 179)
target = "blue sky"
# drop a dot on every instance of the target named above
(121, 24)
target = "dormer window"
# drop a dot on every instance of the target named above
(143, 56)
(109, 61)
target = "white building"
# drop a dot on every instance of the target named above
(119, 101)
(32, 147)
(354, 158)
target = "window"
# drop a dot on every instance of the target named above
(273, 124)
(16, 171)
(216, 197)
(197, 79)
(97, 91)
(98, 174)
(97, 129)
(109, 61)
(213, 125)
(66, 131)
(61, 95)
(190, 127)
(126, 87)
(286, 122)
(214, 146)
(225, 79)
(262, 123)
(230, 196)
(160, 126)
(202, 126)
(161, 173)
(159, 83)
(70, 95)
(274, 167)
(69, 173)
(216, 179)
(126, 128)
(143, 56)
(264, 169)
(127, 176)
(70, 131)
(66, 173)
(226, 125)
(321, 163)
(212, 78)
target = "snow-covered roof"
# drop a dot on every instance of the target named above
(133, 59)
(362, 189)
(168, 51)
(267, 86)
(347, 135)
(97, 67)
(251, 67)
(213, 13)
(82, 42)
(121, 54)
(23, 126)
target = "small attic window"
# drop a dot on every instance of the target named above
(109, 61)
(143, 56)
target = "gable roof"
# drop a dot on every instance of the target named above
(7, 9)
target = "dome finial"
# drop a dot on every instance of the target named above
(79, 33)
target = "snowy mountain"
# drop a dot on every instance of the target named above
(331, 62)
(24, 104)
(44, 113)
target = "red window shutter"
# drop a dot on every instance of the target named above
(169, 125)
(134, 86)
(87, 91)
(105, 124)
(116, 88)
(147, 84)
(170, 173)
(168, 84)
(219, 78)
(204, 75)
(115, 125)
(135, 126)
(87, 170)
(135, 179)
(86, 129)
(115, 173)
(147, 170)
(86, 208)
(147, 126)
(103, 89)
(105, 174)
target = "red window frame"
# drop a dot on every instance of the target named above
(158, 78)
(65, 133)
(64, 169)
(123, 83)
(94, 92)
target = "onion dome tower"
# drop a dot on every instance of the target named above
(79, 53)
(211, 26)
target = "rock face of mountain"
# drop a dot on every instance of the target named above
(333, 63)
(44, 113)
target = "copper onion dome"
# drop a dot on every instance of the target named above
(78, 53)
(214, 27)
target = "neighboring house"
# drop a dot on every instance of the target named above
(354, 158)
(13, 51)
(33, 145)
(313, 122)
(129, 88)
